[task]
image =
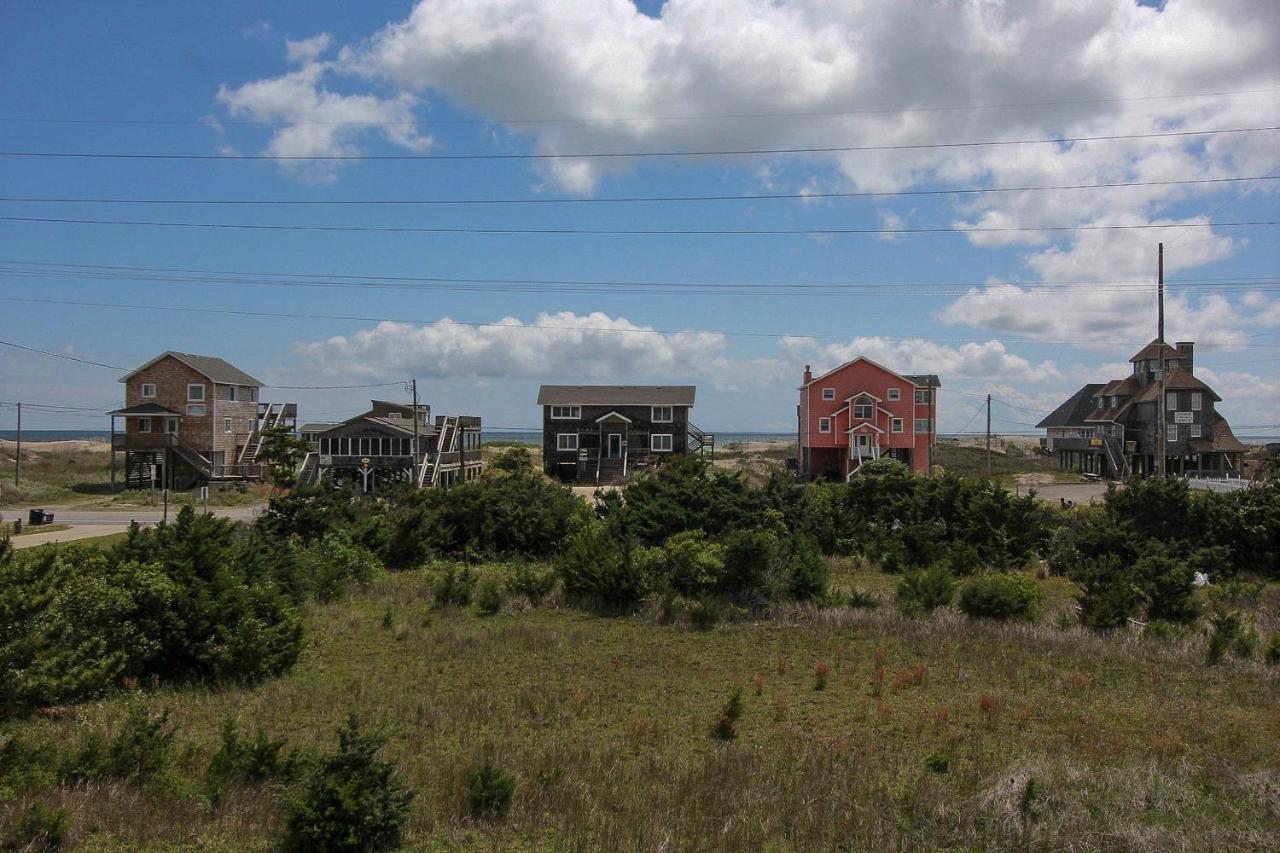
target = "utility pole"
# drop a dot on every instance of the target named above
(17, 457)
(933, 425)
(988, 436)
(1162, 413)
(414, 383)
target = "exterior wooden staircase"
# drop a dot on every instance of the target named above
(701, 442)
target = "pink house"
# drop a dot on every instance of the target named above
(862, 411)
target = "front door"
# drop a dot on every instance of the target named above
(615, 445)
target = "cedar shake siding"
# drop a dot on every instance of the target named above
(195, 418)
(1111, 430)
(861, 411)
(601, 433)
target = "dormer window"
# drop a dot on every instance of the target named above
(1100, 403)
(1114, 401)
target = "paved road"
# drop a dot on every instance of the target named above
(85, 523)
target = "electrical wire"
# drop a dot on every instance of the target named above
(599, 155)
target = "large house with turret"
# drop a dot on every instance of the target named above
(1112, 429)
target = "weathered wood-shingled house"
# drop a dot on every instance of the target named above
(600, 433)
(1111, 429)
(391, 443)
(190, 420)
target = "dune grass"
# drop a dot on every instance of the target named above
(1049, 737)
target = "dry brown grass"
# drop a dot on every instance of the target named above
(1133, 744)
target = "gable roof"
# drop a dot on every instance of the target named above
(1221, 439)
(1074, 410)
(1152, 350)
(920, 380)
(211, 367)
(616, 395)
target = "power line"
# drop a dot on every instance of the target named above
(895, 290)
(60, 355)
(588, 155)
(805, 196)
(338, 280)
(538, 327)
(630, 232)
(653, 118)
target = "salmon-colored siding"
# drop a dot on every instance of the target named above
(858, 396)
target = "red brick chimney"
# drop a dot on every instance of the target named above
(808, 375)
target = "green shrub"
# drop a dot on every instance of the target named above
(39, 829)
(599, 566)
(240, 762)
(142, 746)
(806, 571)
(726, 726)
(1272, 653)
(1109, 594)
(691, 563)
(938, 762)
(754, 565)
(489, 789)
(529, 580)
(351, 802)
(1001, 597)
(1168, 583)
(860, 599)
(454, 587)
(923, 592)
(704, 612)
(1231, 633)
(489, 597)
(337, 559)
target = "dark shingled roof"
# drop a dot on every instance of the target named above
(1152, 350)
(1221, 440)
(209, 366)
(923, 379)
(1074, 411)
(146, 410)
(616, 395)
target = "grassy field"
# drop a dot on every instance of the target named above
(1053, 737)
(78, 473)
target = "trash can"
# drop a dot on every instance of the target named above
(36, 516)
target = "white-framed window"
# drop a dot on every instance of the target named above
(1171, 401)
(660, 442)
(253, 394)
(828, 393)
(895, 424)
(1172, 364)
(824, 424)
(1195, 401)
(1194, 430)
(922, 396)
(566, 413)
(895, 394)
(1173, 432)
(195, 393)
(196, 410)
(863, 408)
(232, 393)
(566, 441)
(148, 390)
(663, 414)
(144, 424)
(226, 424)
(1114, 401)
(921, 425)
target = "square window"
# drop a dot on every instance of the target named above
(863, 411)
(828, 393)
(895, 393)
(660, 442)
(144, 424)
(824, 424)
(921, 424)
(663, 414)
(195, 393)
(895, 425)
(567, 441)
(922, 396)
(196, 410)
(149, 390)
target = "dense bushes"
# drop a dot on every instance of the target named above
(1001, 597)
(924, 592)
(187, 601)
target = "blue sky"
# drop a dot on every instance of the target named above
(451, 77)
